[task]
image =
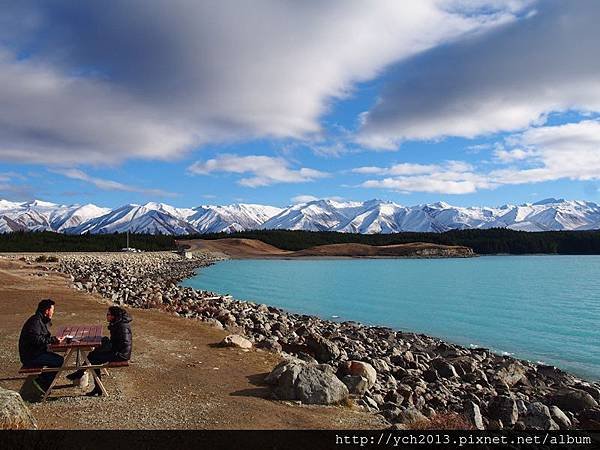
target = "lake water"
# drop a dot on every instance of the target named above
(541, 308)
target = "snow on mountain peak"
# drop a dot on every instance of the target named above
(372, 216)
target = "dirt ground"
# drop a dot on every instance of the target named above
(178, 378)
(237, 248)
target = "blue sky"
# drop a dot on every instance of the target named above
(479, 102)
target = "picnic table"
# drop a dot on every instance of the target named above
(85, 338)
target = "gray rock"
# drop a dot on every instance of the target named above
(411, 415)
(14, 414)
(589, 419)
(444, 368)
(560, 418)
(317, 386)
(473, 413)
(273, 377)
(511, 373)
(573, 400)
(235, 340)
(324, 349)
(538, 417)
(356, 384)
(285, 389)
(503, 408)
(361, 369)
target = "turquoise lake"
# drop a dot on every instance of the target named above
(540, 308)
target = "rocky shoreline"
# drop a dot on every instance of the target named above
(405, 377)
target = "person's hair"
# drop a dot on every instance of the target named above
(45, 304)
(116, 312)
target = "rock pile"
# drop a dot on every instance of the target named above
(402, 376)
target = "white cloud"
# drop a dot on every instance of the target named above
(109, 185)
(156, 80)
(304, 199)
(570, 151)
(266, 170)
(506, 80)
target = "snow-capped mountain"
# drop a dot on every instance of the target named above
(373, 216)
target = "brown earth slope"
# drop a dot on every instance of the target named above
(177, 379)
(252, 248)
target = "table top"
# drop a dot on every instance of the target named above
(83, 336)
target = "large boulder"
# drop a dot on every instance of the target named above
(323, 349)
(503, 408)
(318, 385)
(14, 414)
(309, 383)
(538, 417)
(356, 384)
(411, 415)
(573, 400)
(235, 340)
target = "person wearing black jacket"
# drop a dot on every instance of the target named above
(33, 344)
(115, 348)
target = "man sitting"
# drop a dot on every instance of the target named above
(33, 344)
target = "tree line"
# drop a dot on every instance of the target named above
(483, 242)
(48, 241)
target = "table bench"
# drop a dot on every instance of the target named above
(85, 339)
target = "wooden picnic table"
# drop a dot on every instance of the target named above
(85, 338)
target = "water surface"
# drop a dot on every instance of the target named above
(541, 308)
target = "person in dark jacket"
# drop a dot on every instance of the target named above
(33, 344)
(115, 348)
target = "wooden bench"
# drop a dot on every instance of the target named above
(39, 370)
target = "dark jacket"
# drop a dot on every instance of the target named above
(120, 336)
(34, 338)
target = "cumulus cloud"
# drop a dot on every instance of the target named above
(505, 80)
(91, 82)
(570, 151)
(110, 185)
(266, 170)
(454, 177)
(547, 153)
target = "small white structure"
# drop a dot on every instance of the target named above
(185, 254)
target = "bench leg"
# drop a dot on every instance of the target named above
(99, 382)
(58, 372)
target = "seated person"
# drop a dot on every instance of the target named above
(115, 348)
(33, 344)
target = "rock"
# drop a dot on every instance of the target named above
(409, 416)
(14, 414)
(472, 412)
(504, 409)
(444, 368)
(235, 340)
(273, 377)
(356, 384)
(560, 418)
(496, 424)
(361, 369)
(511, 373)
(573, 400)
(538, 417)
(270, 345)
(315, 385)
(323, 349)
(589, 419)
(309, 383)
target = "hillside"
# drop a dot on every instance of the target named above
(252, 248)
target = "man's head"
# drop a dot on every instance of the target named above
(113, 314)
(46, 308)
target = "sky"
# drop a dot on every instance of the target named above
(471, 102)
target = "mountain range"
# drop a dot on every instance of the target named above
(373, 216)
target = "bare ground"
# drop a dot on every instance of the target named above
(178, 378)
(252, 248)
